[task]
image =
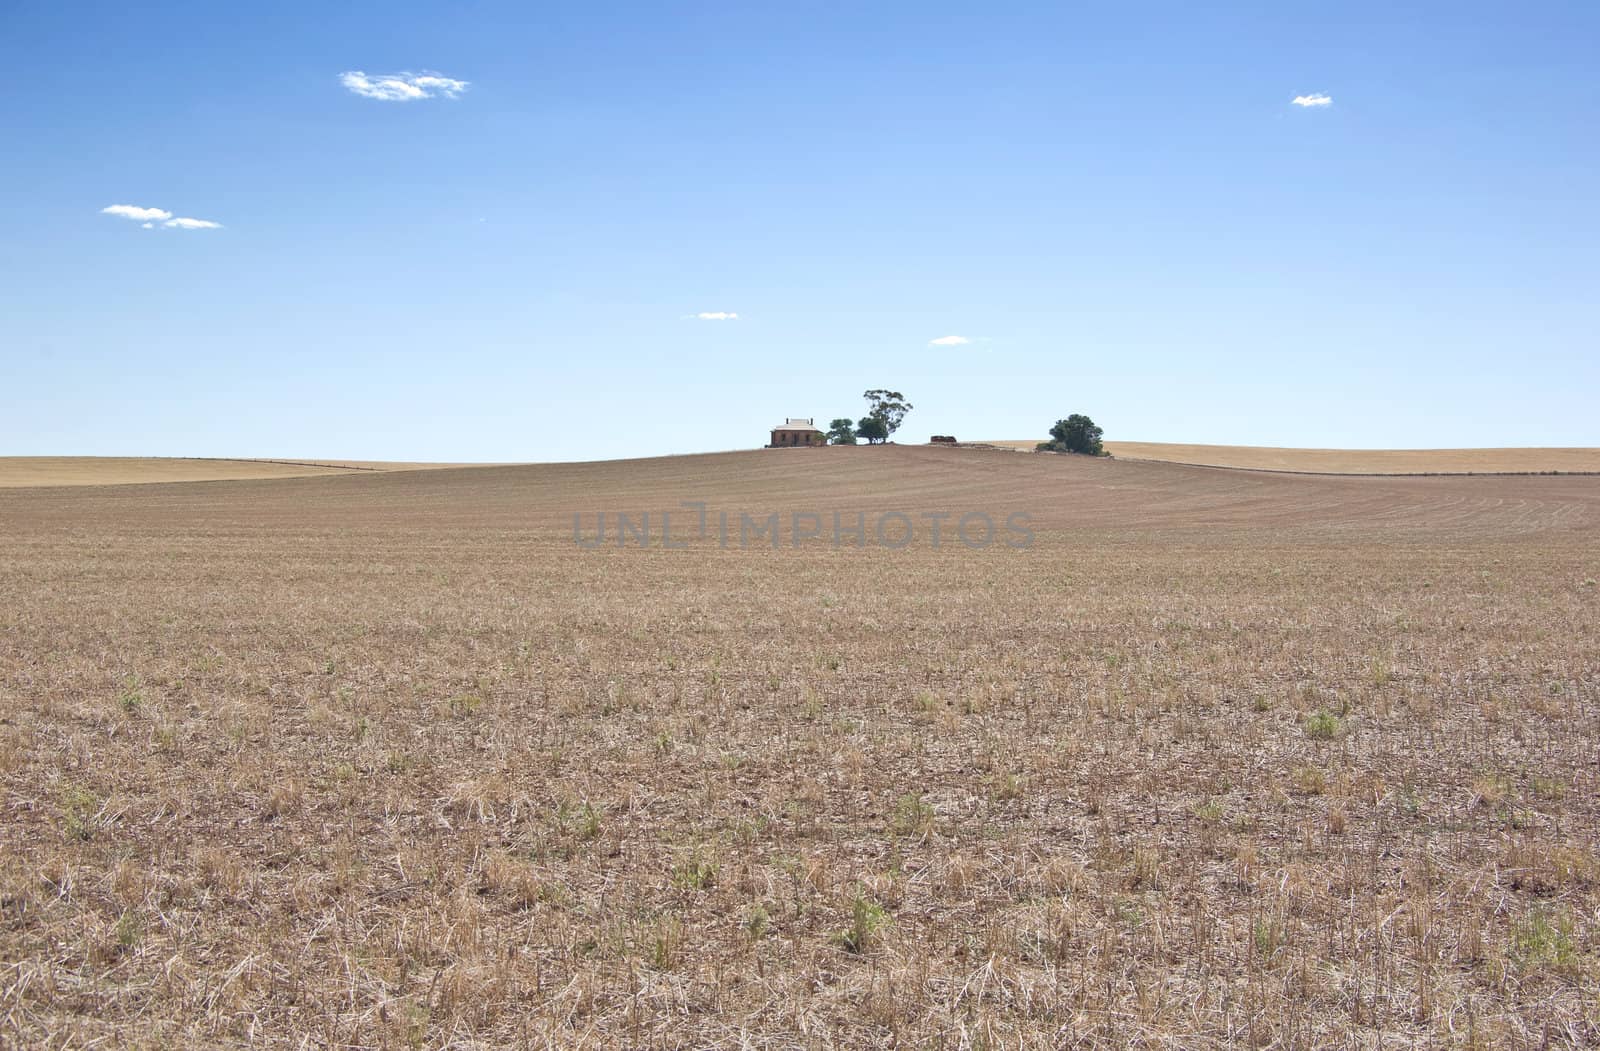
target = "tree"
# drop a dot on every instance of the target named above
(1076, 434)
(889, 406)
(873, 429)
(841, 432)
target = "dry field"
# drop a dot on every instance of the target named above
(386, 760)
(34, 471)
(1356, 461)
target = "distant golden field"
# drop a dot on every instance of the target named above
(27, 471)
(386, 759)
(1355, 461)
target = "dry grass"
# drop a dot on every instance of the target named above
(1355, 461)
(383, 760)
(31, 471)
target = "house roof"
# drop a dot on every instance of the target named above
(795, 423)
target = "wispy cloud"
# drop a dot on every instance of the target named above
(134, 212)
(401, 87)
(1312, 101)
(949, 341)
(149, 217)
(717, 315)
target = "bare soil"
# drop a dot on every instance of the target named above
(381, 759)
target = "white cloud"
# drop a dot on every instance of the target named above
(149, 217)
(1309, 101)
(443, 85)
(717, 315)
(949, 341)
(401, 87)
(133, 211)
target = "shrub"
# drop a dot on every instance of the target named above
(1075, 434)
(866, 917)
(874, 430)
(1321, 726)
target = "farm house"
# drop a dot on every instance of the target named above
(797, 431)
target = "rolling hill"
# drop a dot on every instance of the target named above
(383, 758)
(1057, 492)
(1355, 461)
(34, 471)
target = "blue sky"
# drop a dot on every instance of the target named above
(1119, 206)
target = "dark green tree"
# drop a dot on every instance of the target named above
(841, 432)
(1076, 434)
(873, 429)
(890, 406)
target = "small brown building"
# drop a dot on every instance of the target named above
(797, 431)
